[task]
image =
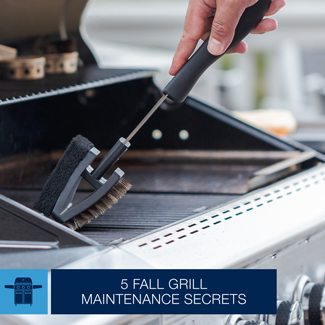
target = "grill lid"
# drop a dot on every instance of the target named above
(33, 18)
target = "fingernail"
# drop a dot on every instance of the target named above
(215, 47)
(276, 25)
(246, 46)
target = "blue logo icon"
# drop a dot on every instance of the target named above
(23, 290)
(23, 298)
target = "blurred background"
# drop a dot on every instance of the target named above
(279, 85)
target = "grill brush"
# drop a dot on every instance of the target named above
(56, 197)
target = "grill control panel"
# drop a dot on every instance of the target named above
(240, 320)
(288, 313)
(312, 298)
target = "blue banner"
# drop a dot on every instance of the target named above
(23, 291)
(163, 292)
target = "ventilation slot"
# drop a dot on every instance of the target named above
(241, 213)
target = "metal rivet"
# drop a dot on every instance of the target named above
(156, 134)
(184, 135)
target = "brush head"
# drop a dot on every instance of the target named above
(74, 154)
(63, 182)
(106, 202)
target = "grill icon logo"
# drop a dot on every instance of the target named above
(23, 294)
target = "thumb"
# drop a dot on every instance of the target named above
(224, 24)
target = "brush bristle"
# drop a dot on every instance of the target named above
(106, 202)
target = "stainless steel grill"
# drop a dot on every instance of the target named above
(192, 204)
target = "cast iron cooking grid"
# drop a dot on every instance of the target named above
(218, 216)
(52, 85)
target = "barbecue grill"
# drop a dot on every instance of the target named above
(23, 291)
(226, 195)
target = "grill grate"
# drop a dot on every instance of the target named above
(135, 214)
(88, 77)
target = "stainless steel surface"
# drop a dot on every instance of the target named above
(118, 319)
(298, 291)
(302, 292)
(292, 240)
(269, 319)
(296, 314)
(287, 232)
(297, 246)
(38, 220)
(271, 219)
(233, 319)
(281, 223)
(27, 244)
(279, 170)
(305, 300)
(281, 226)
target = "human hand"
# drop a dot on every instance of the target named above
(203, 19)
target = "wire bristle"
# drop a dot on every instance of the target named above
(106, 202)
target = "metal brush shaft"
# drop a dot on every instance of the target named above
(122, 145)
(146, 118)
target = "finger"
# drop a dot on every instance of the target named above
(275, 6)
(223, 27)
(266, 25)
(205, 35)
(194, 26)
(207, 28)
(239, 48)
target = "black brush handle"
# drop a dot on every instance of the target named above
(180, 86)
(111, 158)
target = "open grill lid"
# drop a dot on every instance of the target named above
(23, 19)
